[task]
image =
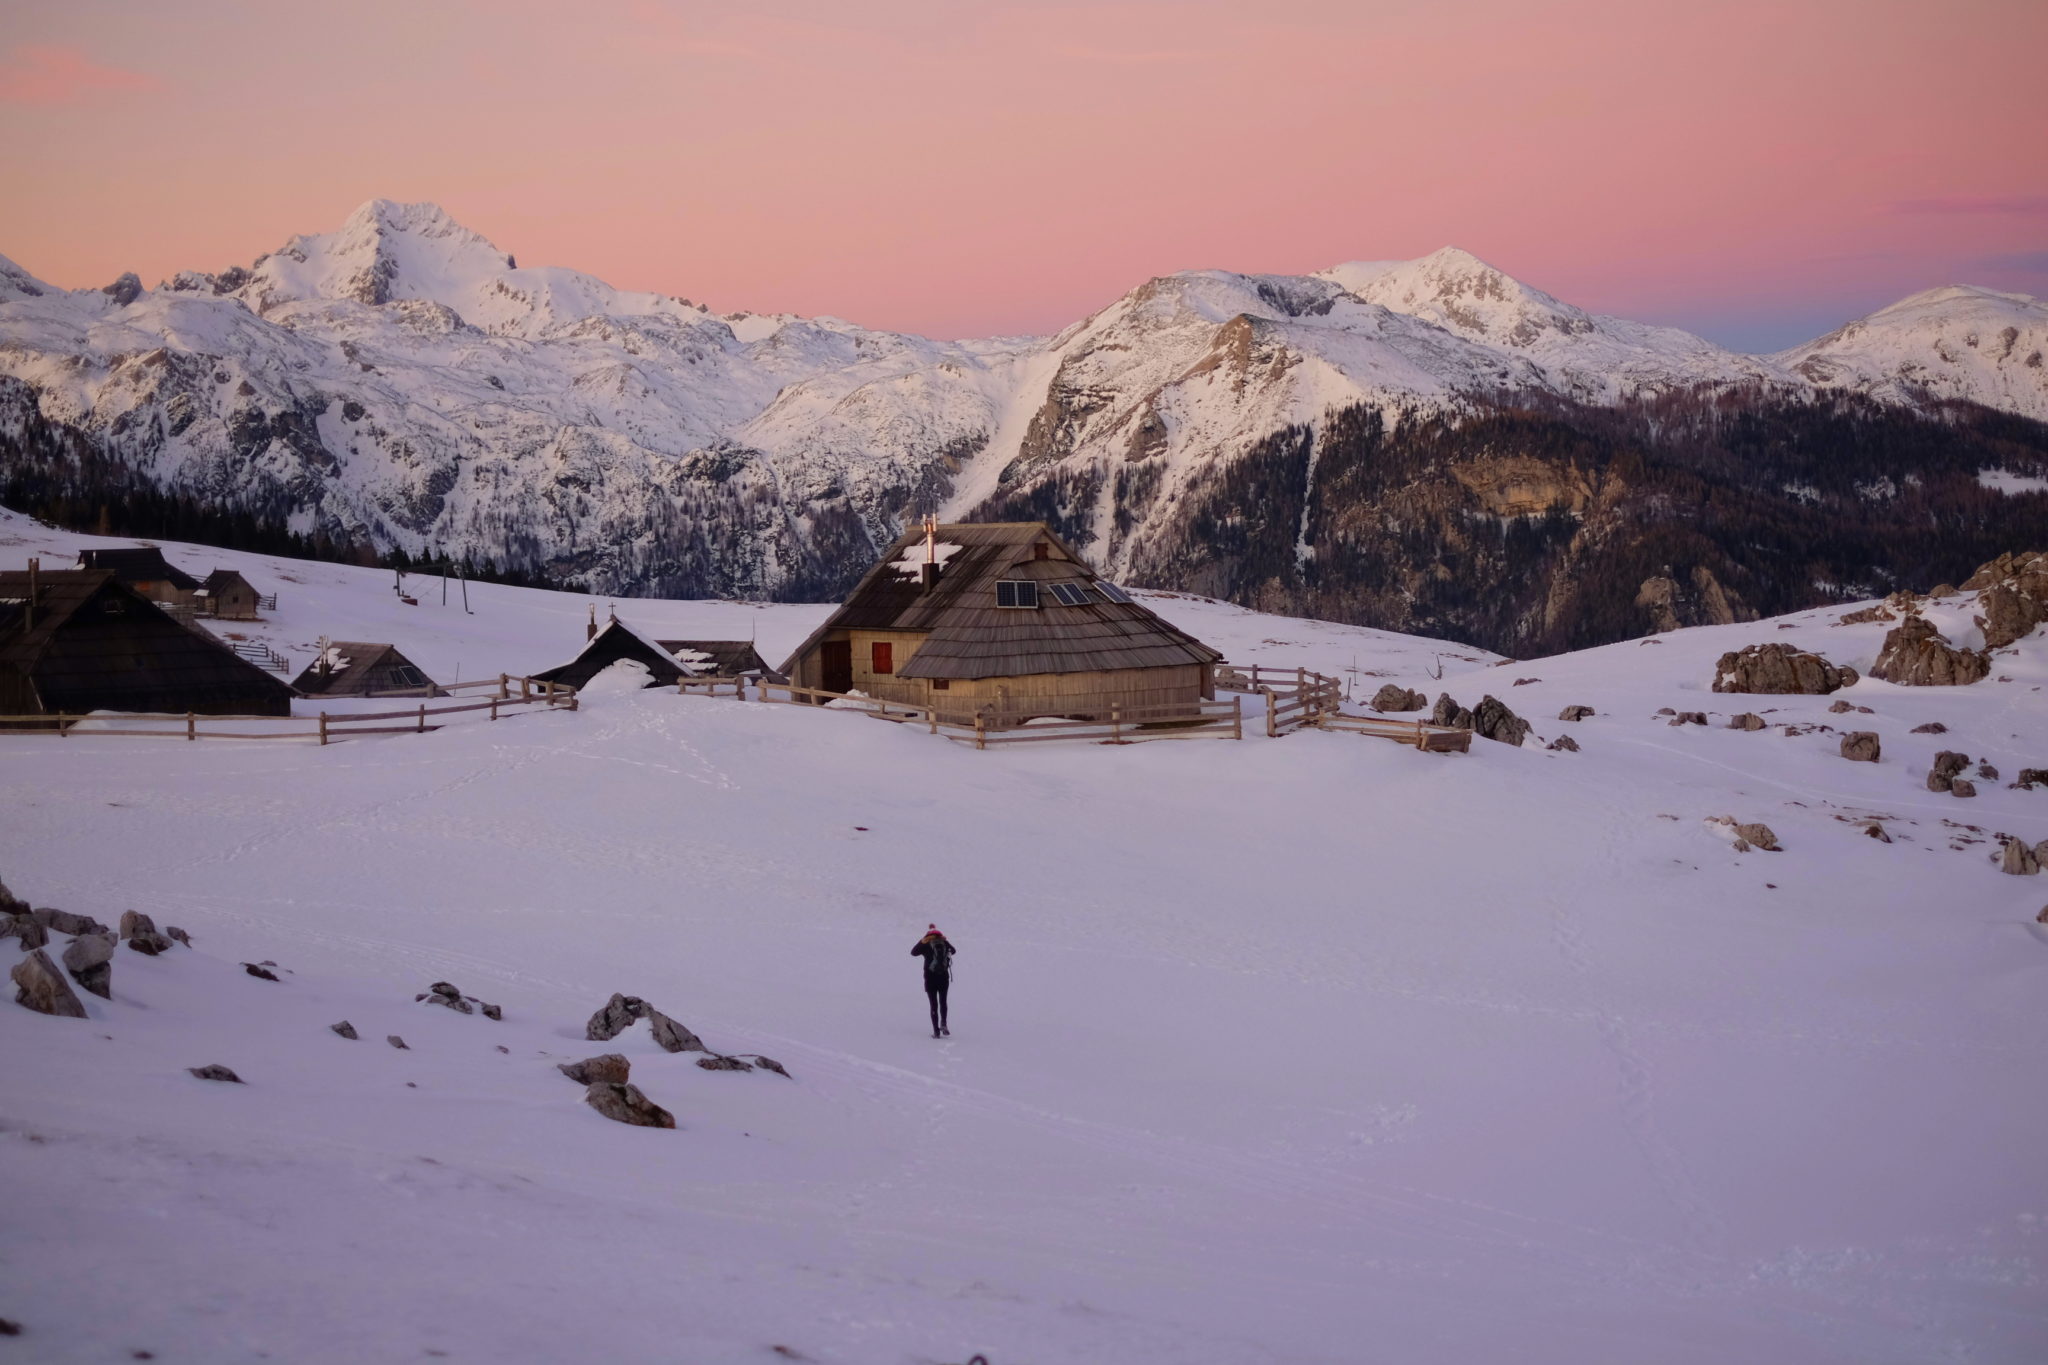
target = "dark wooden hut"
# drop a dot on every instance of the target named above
(721, 659)
(76, 640)
(144, 569)
(227, 595)
(667, 661)
(354, 668)
(616, 641)
(1001, 617)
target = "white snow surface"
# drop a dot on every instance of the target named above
(1316, 1049)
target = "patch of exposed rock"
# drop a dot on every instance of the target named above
(1948, 765)
(2012, 596)
(1862, 746)
(215, 1072)
(446, 994)
(89, 959)
(622, 1102)
(1491, 719)
(39, 986)
(1915, 654)
(1780, 669)
(1394, 697)
(610, 1068)
(622, 1011)
(1576, 713)
(1748, 720)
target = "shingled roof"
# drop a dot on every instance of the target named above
(969, 636)
(143, 565)
(96, 644)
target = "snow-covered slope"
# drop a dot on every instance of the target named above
(1958, 342)
(1316, 1049)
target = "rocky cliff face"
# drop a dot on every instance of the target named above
(1426, 444)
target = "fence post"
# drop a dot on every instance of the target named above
(191, 726)
(931, 714)
(494, 708)
(1116, 723)
(525, 689)
(1237, 716)
(1272, 720)
(423, 718)
(323, 727)
(981, 729)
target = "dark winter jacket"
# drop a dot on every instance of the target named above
(938, 959)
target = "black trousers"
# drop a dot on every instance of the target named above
(935, 996)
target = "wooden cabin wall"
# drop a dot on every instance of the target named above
(1058, 694)
(890, 686)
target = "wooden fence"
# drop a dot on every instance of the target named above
(1435, 739)
(983, 727)
(711, 686)
(326, 727)
(1294, 696)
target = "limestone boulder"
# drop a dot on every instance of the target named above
(1576, 713)
(1932, 727)
(1565, 744)
(1450, 714)
(672, 1036)
(2012, 596)
(39, 986)
(1748, 720)
(1962, 787)
(1492, 719)
(1758, 836)
(1948, 765)
(27, 928)
(1688, 718)
(622, 1102)
(1394, 697)
(215, 1072)
(1915, 654)
(1861, 746)
(89, 959)
(618, 1014)
(1780, 669)
(2019, 859)
(610, 1068)
(346, 1030)
(64, 922)
(723, 1064)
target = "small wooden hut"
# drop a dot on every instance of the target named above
(144, 569)
(721, 659)
(1004, 618)
(227, 595)
(353, 668)
(667, 661)
(77, 640)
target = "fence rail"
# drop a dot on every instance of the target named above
(261, 654)
(1436, 739)
(981, 728)
(326, 727)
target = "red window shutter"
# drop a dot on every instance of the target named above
(884, 656)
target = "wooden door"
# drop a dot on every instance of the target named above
(835, 665)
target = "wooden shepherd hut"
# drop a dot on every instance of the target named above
(1001, 617)
(227, 595)
(353, 668)
(668, 661)
(76, 640)
(146, 570)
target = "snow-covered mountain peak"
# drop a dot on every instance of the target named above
(1461, 293)
(1957, 341)
(384, 252)
(16, 283)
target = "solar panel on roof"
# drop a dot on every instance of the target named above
(1016, 592)
(1072, 594)
(1112, 591)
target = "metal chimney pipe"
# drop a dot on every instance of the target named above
(28, 615)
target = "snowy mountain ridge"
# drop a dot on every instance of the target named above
(403, 383)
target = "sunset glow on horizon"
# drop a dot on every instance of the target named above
(1755, 172)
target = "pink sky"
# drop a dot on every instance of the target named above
(1755, 171)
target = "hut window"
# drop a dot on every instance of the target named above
(1041, 550)
(1019, 592)
(114, 606)
(942, 684)
(1112, 592)
(1072, 594)
(405, 675)
(883, 655)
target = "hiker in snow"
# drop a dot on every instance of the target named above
(938, 975)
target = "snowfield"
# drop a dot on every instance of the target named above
(1317, 1049)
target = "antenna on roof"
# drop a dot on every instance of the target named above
(590, 631)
